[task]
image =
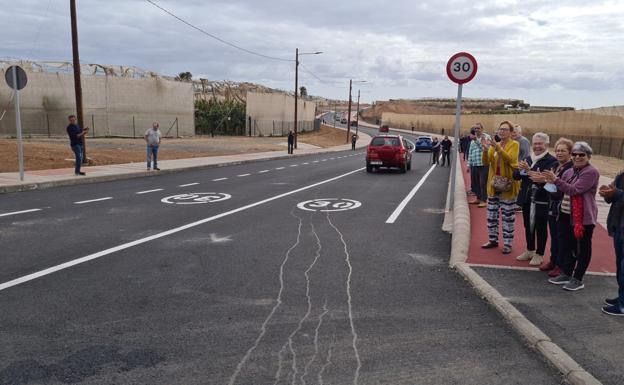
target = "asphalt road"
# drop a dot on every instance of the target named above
(247, 284)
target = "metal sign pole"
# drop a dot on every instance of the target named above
(18, 123)
(455, 146)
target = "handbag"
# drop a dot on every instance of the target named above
(500, 183)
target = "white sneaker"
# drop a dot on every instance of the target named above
(526, 256)
(536, 260)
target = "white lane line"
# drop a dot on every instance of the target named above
(323, 160)
(19, 212)
(218, 179)
(409, 196)
(242, 175)
(280, 168)
(148, 191)
(263, 171)
(128, 245)
(189, 184)
(305, 163)
(93, 200)
(316, 161)
(294, 165)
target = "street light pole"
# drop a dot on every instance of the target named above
(77, 83)
(296, 91)
(297, 85)
(357, 115)
(349, 112)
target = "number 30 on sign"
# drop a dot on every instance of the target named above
(461, 67)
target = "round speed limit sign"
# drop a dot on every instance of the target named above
(461, 67)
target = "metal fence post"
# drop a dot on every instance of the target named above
(93, 124)
(48, 120)
(177, 128)
(133, 128)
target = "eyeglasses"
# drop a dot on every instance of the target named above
(503, 129)
(579, 154)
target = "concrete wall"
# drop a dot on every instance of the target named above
(110, 104)
(273, 114)
(605, 133)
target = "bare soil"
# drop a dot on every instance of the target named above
(45, 153)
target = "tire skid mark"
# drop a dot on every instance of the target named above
(349, 302)
(263, 329)
(316, 342)
(290, 343)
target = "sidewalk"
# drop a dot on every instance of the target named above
(568, 328)
(39, 179)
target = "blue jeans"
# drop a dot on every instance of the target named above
(618, 243)
(152, 152)
(77, 148)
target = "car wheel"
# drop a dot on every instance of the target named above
(409, 165)
(404, 168)
(369, 168)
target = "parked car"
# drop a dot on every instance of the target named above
(343, 120)
(424, 143)
(354, 123)
(384, 128)
(389, 151)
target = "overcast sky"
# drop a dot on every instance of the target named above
(564, 53)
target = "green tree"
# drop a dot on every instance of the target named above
(303, 92)
(219, 117)
(184, 77)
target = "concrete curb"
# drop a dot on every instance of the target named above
(572, 372)
(139, 174)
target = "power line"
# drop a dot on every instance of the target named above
(318, 78)
(216, 37)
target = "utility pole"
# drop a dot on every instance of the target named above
(296, 90)
(349, 112)
(297, 84)
(77, 83)
(357, 115)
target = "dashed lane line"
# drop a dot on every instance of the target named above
(93, 200)
(263, 171)
(280, 168)
(19, 212)
(137, 242)
(242, 175)
(189, 184)
(149, 191)
(218, 179)
(293, 165)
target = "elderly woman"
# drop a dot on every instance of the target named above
(501, 157)
(563, 150)
(534, 199)
(577, 216)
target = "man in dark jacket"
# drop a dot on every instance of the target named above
(534, 200)
(291, 141)
(446, 150)
(435, 151)
(76, 135)
(614, 194)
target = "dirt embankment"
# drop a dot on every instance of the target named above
(44, 153)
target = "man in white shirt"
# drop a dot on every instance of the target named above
(152, 138)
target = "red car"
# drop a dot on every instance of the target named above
(389, 151)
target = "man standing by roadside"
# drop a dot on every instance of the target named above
(446, 150)
(614, 195)
(435, 151)
(152, 138)
(76, 135)
(354, 139)
(478, 171)
(291, 141)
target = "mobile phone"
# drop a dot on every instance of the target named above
(497, 138)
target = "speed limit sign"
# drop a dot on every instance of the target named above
(461, 67)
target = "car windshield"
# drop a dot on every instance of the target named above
(385, 141)
(424, 138)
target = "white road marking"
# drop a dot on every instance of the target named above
(323, 160)
(149, 191)
(305, 163)
(93, 200)
(280, 168)
(242, 175)
(216, 239)
(409, 196)
(189, 184)
(218, 179)
(263, 171)
(128, 245)
(19, 212)
(316, 161)
(294, 165)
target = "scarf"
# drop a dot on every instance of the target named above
(536, 158)
(577, 216)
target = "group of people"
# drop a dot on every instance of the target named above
(556, 195)
(76, 135)
(445, 146)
